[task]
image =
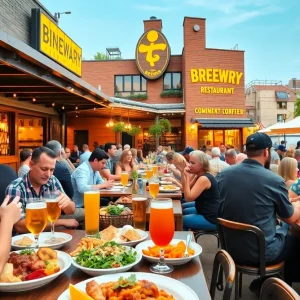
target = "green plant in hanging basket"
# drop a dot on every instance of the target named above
(166, 124)
(159, 127)
(134, 130)
(118, 127)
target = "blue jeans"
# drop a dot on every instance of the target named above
(192, 220)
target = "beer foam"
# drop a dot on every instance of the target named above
(139, 199)
(161, 204)
(36, 205)
(92, 192)
(50, 200)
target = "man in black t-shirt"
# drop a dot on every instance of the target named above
(250, 193)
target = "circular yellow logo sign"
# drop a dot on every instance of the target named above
(152, 54)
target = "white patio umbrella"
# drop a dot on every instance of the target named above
(267, 130)
(290, 127)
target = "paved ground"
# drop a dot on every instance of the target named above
(210, 248)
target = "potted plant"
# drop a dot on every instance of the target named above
(171, 93)
(134, 176)
(134, 130)
(159, 127)
(118, 127)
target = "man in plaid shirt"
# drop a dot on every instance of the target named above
(36, 182)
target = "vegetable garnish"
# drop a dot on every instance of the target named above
(122, 283)
(114, 210)
(26, 252)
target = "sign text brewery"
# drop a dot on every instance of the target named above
(152, 54)
(216, 76)
(53, 42)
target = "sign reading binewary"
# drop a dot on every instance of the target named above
(49, 39)
(152, 54)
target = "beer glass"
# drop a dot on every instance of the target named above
(155, 170)
(139, 207)
(53, 210)
(91, 212)
(36, 217)
(161, 230)
(149, 174)
(124, 180)
(153, 188)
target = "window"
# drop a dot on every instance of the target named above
(282, 95)
(282, 105)
(172, 81)
(130, 84)
(281, 117)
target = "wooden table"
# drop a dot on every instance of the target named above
(190, 274)
(177, 214)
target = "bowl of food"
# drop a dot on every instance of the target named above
(29, 269)
(107, 258)
(174, 252)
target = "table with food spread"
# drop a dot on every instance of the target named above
(185, 282)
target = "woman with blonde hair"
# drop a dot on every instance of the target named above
(288, 170)
(290, 152)
(201, 193)
(125, 162)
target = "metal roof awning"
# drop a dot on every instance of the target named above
(224, 123)
(28, 75)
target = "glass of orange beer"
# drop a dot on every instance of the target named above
(53, 210)
(149, 174)
(124, 180)
(161, 230)
(153, 188)
(139, 207)
(91, 212)
(36, 217)
(155, 170)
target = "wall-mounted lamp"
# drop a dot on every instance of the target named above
(14, 95)
(193, 126)
(33, 99)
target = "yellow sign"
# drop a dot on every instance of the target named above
(216, 90)
(58, 46)
(152, 54)
(218, 111)
(216, 75)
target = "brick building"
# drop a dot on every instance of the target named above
(201, 92)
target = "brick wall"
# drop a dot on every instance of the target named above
(15, 17)
(103, 72)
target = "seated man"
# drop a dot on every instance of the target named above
(109, 171)
(75, 154)
(85, 155)
(87, 177)
(250, 193)
(36, 182)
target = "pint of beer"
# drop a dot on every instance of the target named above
(155, 170)
(149, 174)
(153, 189)
(91, 212)
(36, 217)
(139, 206)
(53, 210)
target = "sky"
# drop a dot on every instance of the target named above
(267, 30)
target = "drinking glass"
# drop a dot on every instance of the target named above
(139, 207)
(155, 170)
(53, 211)
(36, 217)
(124, 180)
(91, 212)
(161, 230)
(149, 173)
(153, 188)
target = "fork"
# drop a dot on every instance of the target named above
(188, 240)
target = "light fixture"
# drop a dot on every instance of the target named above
(76, 116)
(76, 107)
(196, 27)
(53, 104)
(193, 126)
(111, 122)
(33, 99)
(14, 95)
(57, 14)
(94, 108)
(30, 128)
(63, 107)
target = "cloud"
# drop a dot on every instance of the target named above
(146, 7)
(236, 11)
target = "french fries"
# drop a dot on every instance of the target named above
(87, 244)
(171, 251)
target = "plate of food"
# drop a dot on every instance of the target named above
(168, 188)
(24, 241)
(173, 252)
(138, 284)
(163, 182)
(107, 258)
(29, 269)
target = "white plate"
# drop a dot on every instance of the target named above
(64, 261)
(44, 236)
(179, 290)
(96, 272)
(143, 235)
(163, 190)
(172, 261)
(165, 182)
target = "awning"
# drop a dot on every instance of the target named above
(224, 123)
(28, 75)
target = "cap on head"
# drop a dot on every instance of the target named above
(281, 148)
(258, 141)
(187, 150)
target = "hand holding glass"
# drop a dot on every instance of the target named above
(161, 229)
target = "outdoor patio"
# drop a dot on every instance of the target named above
(210, 248)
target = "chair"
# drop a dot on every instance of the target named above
(261, 270)
(223, 263)
(198, 233)
(277, 289)
(7, 175)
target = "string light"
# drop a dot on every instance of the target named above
(76, 107)
(14, 95)
(53, 104)
(63, 107)
(33, 99)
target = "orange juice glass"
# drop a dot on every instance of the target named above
(124, 179)
(91, 212)
(153, 189)
(155, 170)
(161, 230)
(149, 174)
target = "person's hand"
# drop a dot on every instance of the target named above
(186, 171)
(181, 166)
(296, 199)
(63, 200)
(12, 211)
(72, 223)
(108, 184)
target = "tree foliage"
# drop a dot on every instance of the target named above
(104, 56)
(297, 107)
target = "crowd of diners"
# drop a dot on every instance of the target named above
(258, 186)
